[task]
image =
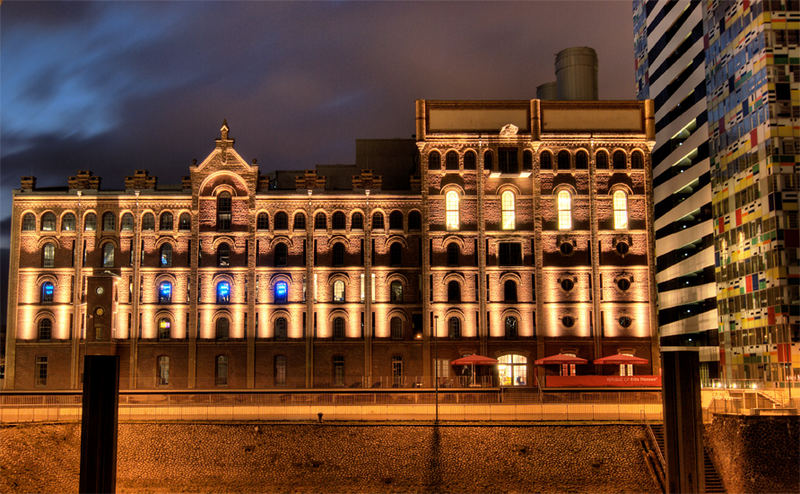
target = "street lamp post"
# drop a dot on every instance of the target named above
(436, 364)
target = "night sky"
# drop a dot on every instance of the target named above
(113, 87)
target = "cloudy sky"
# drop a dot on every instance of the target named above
(114, 86)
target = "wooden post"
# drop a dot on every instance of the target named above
(98, 470)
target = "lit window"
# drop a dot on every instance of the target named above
(508, 210)
(29, 222)
(49, 255)
(223, 292)
(451, 200)
(164, 326)
(48, 289)
(223, 255)
(513, 370)
(90, 222)
(281, 292)
(163, 370)
(109, 222)
(362, 287)
(108, 255)
(165, 256)
(127, 222)
(564, 210)
(396, 292)
(48, 222)
(620, 210)
(68, 223)
(338, 291)
(165, 292)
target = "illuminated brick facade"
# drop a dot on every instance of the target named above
(508, 228)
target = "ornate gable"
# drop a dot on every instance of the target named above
(224, 157)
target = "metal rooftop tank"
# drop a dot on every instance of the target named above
(576, 73)
(547, 91)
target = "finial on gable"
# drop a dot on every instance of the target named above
(224, 129)
(224, 141)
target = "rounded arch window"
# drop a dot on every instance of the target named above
(396, 328)
(165, 292)
(48, 291)
(488, 161)
(90, 222)
(625, 321)
(338, 221)
(511, 327)
(396, 292)
(601, 159)
(281, 328)
(510, 291)
(377, 221)
(619, 160)
(581, 160)
(281, 254)
(223, 328)
(108, 255)
(223, 292)
(45, 329)
(451, 160)
(337, 254)
(68, 222)
(148, 222)
(452, 254)
(165, 255)
(28, 222)
(508, 210)
(396, 220)
(396, 254)
(414, 221)
(564, 202)
(620, 210)
(546, 160)
(637, 159)
(126, 225)
(453, 291)
(48, 222)
(470, 160)
(454, 327)
(451, 202)
(320, 221)
(338, 291)
(434, 161)
(299, 222)
(357, 221)
(564, 159)
(338, 327)
(49, 255)
(224, 211)
(185, 221)
(282, 221)
(622, 248)
(223, 255)
(281, 292)
(623, 284)
(262, 221)
(567, 284)
(164, 327)
(165, 221)
(568, 321)
(566, 248)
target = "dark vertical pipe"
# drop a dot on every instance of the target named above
(99, 424)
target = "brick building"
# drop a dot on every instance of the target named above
(513, 229)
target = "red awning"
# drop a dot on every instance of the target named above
(559, 359)
(621, 359)
(474, 360)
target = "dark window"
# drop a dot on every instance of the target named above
(165, 292)
(622, 248)
(28, 222)
(280, 370)
(185, 222)
(165, 256)
(568, 321)
(564, 160)
(49, 255)
(397, 371)
(127, 222)
(620, 161)
(357, 221)
(338, 327)
(281, 221)
(281, 330)
(414, 221)
(507, 159)
(623, 284)
(637, 161)
(164, 222)
(262, 222)
(527, 160)
(281, 254)
(223, 255)
(396, 254)
(299, 221)
(454, 328)
(41, 371)
(396, 328)
(566, 248)
(601, 159)
(221, 373)
(625, 321)
(108, 255)
(452, 254)
(338, 370)
(396, 292)
(148, 221)
(223, 328)
(377, 221)
(338, 221)
(48, 290)
(90, 222)
(488, 161)
(338, 254)
(320, 221)
(512, 327)
(509, 291)
(582, 160)
(509, 253)
(68, 222)
(434, 161)
(451, 160)
(45, 329)
(163, 370)
(567, 284)
(49, 222)
(546, 160)
(223, 292)
(470, 160)
(453, 291)
(224, 211)
(396, 220)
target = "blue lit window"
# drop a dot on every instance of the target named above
(47, 292)
(165, 292)
(281, 292)
(223, 292)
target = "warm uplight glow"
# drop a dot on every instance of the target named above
(620, 210)
(451, 210)
(564, 210)
(508, 210)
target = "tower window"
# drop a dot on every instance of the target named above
(299, 221)
(377, 221)
(108, 255)
(185, 222)
(68, 222)
(564, 159)
(282, 221)
(163, 371)
(620, 210)
(165, 292)
(451, 201)
(396, 292)
(280, 370)
(338, 221)
(164, 327)
(281, 292)
(396, 328)
(564, 210)
(281, 254)
(507, 160)
(49, 222)
(49, 255)
(619, 160)
(45, 329)
(223, 328)
(224, 211)
(223, 255)
(488, 161)
(320, 222)
(357, 221)
(546, 160)
(90, 222)
(396, 254)
(223, 292)
(148, 222)
(453, 291)
(262, 221)
(396, 220)
(637, 160)
(451, 160)
(338, 291)
(454, 328)
(338, 254)
(601, 160)
(28, 222)
(511, 327)
(509, 291)
(527, 160)
(452, 254)
(434, 161)
(48, 290)
(338, 327)
(41, 371)
(507, 210)
(165, 222)
(165, 255)
(470, 160)
(581, 160)
(414, 221)
(281, 329)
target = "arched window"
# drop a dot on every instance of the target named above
(338, 291)
(338, 221)
(620, 210)
(453, 253)
(223, 255)
(281, 254)
(511, 327)
(509, 291)
(564, 160)
(163, 371)
(224, 211)
(165, 292)
(45, 329)
(165, 255)
(185, 221)
(564, 210)
(434, 161)
(165, 221)
(637, 159)
(451, 201)
(453, 291)
(49, 222)
(338, 327)
(396, 328)
(49, 255)
(414, 221)
(148, 221)
(90, 222)
(396, 220)
(581, 160)
(601, 160)
(488, 161)
(320, 221)
(68, 222)
(357, 221)
(299, 221)
(108, 255)
(377, 221)
(223, 328)
(282, 221)
(513, 370)
(164, 328)
(527, 160)
(454, 328)
(221, 371)
(281, 328)
(619, 160)
(28, 222)
(337, 254)
(280, 370)
(451, 160)
(508, 210)
(396, 254)
(127, 222)
(546, 160)
(48, 290)
(470, 160)
(281, 292)
(262, 221)
(396, 292)
(223, 292)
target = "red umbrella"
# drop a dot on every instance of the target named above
(621, 359)
(473, 360)
(559, 359)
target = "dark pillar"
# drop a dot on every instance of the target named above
(99, 424)
(683, 425)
